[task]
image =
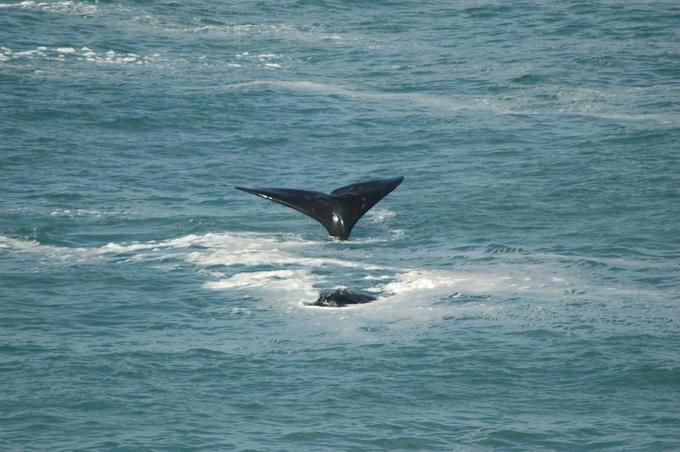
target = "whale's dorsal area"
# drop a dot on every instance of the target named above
(339, 298)
(338, 211)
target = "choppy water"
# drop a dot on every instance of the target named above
(528, 269)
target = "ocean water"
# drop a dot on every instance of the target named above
(527, 270)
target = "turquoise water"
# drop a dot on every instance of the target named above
(527, 270)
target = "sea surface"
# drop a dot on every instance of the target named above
(527, 269)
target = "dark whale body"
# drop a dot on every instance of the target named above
(338, 211)
(340, 298)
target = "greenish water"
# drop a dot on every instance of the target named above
(526, 270)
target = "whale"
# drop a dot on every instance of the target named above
(340, 298)
(337, 211)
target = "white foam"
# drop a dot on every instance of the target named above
(128, 248)
(435, 282)
(377, 278)
(10, 243)
(208, 250)
(418, 99)
(59, 253)
(265, 60)
(82, 54)
(232, 250)
(419, 281)
(72, 213)
(65, 7)
(286, 289)
(282, 32)
(288, 258)
(290, 269)
(379, 215)
(581, 102)
(290, 279)
(29, 53)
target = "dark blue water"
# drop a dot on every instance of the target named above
(527, 270)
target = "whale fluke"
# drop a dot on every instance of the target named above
(338, 211)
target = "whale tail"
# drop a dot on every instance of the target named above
(338, 211)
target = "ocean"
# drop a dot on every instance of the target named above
(527, 270)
